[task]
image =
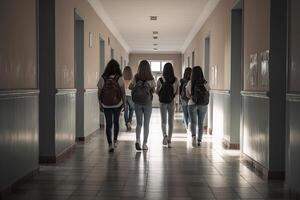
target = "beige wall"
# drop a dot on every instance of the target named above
(217, 27)
(18, 59)
(134, 60)
(256, 37)
(65, 43)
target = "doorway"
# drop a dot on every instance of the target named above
(79, 75)
(236, 71)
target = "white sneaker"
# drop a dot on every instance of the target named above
(194, 143)
(145, 147)
(116, 144)
(165, 140)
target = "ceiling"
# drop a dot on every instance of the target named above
(177, 22)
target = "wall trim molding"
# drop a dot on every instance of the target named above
(6, 191)
(257, 94)
(65, 91)
(229, 145)
(91, 90)
(55, 159)
(225, 92)
(18, 93)
(293, 97)
(87, 138)
(261, 170)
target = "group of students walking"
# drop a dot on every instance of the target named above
(119, 91)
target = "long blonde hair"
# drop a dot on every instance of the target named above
(144, 71)
(127, 73)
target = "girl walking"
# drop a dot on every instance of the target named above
(198, 92)
(127, 74)
(111, 94)
(143, 87)
(167, 89)
(183, 97)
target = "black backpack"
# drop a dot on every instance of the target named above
(183, 95)
(166, 93)
(200, 95)
(141, 93)
(111, 93)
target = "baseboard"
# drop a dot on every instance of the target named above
(55, 159)
(261, 170)
(87, 138)
(228, 145)
(6, 191)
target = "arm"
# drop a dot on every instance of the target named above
(176, 89)
(122, 85)
(132, 84)
(189, 89)
(100, 85)
(158, 87)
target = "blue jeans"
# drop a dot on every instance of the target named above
(167, 111)
(185, 111)
(197, 114)
(143, 114)
(112, 115)
(129, 112)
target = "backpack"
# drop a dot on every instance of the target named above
(183, 95)
(166, 93)
(111, 93)
(200, 95)
(141, 93)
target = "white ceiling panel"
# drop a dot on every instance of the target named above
(176, 20)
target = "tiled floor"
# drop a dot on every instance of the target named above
(178, 173)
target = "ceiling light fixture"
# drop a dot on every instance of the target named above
(155, 32)
(155, 37)
(155, 44)
(153, 18)
(155, 49)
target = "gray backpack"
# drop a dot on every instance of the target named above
(141, 93)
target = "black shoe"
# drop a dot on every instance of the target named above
(199, 143)
(138, 146)
(111, 148)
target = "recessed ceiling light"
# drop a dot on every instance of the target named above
(155, 44)
(153, 18)
(155, 32)
(155, 37)
(155, 49)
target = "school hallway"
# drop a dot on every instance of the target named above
(161, 173)
(53, 54)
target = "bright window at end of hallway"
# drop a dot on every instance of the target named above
(158, 65)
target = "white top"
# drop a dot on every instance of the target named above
(127, 90)
(175, 86)
(189, 92)
(121, 84)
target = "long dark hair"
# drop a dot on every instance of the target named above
(168, 73)
(197, 76)
(144, 71)
(112, 68)
(187, 73)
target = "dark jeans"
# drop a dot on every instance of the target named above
(129, 112)
(112, 115)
